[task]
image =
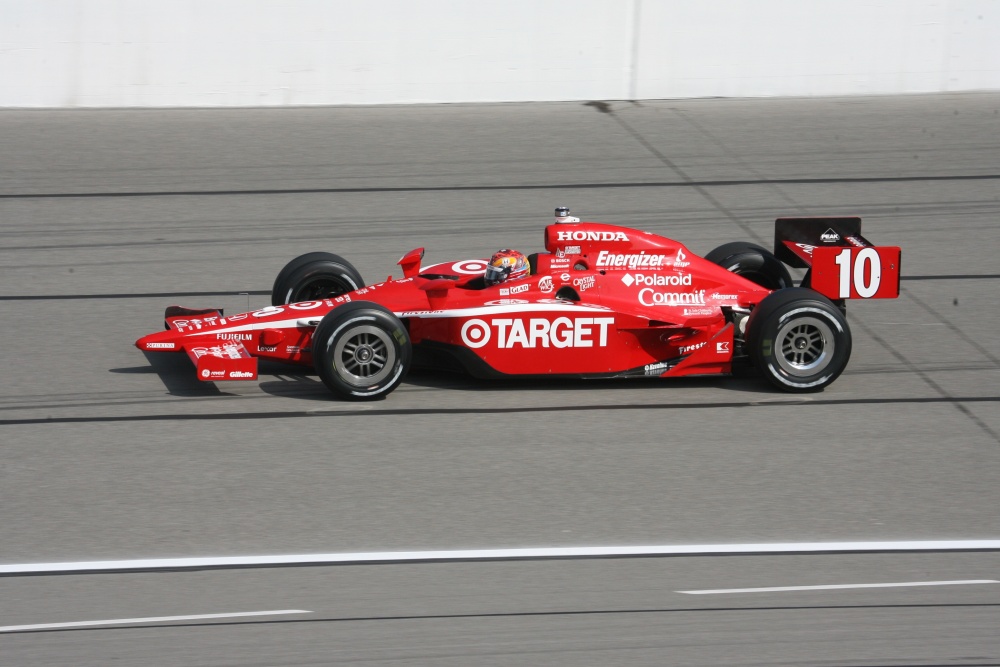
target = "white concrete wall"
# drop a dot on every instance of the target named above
(122, 53)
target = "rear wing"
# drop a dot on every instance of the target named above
(842, 263)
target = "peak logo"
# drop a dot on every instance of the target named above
(611, 260)
(591, 236)
(829, 236)
(562, 332)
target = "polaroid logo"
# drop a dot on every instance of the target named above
(591, 236)
(650, 297)
(240, 375)
(611, 260)
(657, 280)
(160, 346)
(829, 236)
(562, 332)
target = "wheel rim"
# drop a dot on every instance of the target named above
(805, 346)
(320, 288)
(364, 356)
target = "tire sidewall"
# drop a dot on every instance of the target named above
(341, 323)
(308, 268)
(747, 258)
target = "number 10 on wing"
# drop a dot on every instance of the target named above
(870, 272)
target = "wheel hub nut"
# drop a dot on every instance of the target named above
(363, 354)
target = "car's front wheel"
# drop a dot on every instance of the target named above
(361, 351)
(799, 339)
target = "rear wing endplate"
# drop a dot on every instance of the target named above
(842, 263)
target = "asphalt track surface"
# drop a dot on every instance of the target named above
(109, 216)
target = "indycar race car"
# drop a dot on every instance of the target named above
(603, 302)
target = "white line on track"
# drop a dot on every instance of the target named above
(153, 619)
(496, 554)
(781, 589)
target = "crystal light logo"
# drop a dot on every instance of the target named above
(561, 332)
(656, 280)
(590, 236)
(650, 297)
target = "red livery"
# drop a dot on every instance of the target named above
(603, 301)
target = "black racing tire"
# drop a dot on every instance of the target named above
(313, 276)
(752, 262)
(799, 340)
(361, 351)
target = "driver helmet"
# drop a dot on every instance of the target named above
(506, 265)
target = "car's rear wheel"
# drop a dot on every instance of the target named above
(799, 339)
(752, 262)
(361, 351)
(313, 276)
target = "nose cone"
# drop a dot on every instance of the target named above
(161, 341)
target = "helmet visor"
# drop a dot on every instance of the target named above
(496, 274)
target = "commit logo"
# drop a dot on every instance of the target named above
(650, 297)
(591, 236)
(561, 332)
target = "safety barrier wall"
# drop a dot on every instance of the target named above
(155, 53)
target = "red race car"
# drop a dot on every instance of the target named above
(603, 301)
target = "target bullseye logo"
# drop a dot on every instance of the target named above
(475, 333)
(470, 267)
